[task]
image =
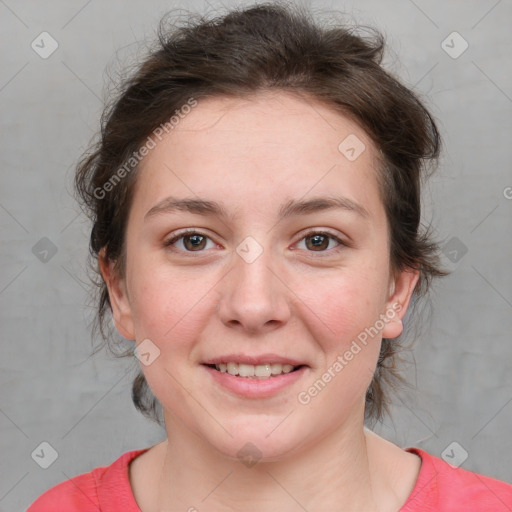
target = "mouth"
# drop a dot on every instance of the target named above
(256, 381)
(258, 371)
(256, 376)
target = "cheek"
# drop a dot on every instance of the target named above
(343, 308)
(172, 311)
(169, 307)
(346, 334)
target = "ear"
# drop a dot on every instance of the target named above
(401, 289)
(119, 300)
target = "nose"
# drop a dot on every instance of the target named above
(253, 296)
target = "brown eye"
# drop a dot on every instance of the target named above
(316, 241)
(196, 242)
(190, 242)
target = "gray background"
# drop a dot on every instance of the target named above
(51, 390)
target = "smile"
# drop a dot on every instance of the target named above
(255, 381)
(260, 371)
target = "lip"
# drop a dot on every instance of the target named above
(254, 360)
(248, 387)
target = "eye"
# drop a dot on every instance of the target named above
(319, 241)
(190, 240)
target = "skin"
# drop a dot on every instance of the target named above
(253, 155)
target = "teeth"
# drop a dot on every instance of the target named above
(232, 368)
(277, 368)
(246, 370)
(261, 371)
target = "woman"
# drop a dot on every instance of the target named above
(255, 199)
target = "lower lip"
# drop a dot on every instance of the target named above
(255, 388)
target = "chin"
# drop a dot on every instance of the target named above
(257, 441)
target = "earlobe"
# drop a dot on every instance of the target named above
(119, 300)
(400, 293)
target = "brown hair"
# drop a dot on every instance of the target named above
(270, 46)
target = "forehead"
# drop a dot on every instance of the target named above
(271, 141)
(272, 117)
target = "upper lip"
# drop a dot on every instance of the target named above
(254, 360)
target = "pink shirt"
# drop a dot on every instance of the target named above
(439, 488)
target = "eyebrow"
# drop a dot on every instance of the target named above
(291, 208)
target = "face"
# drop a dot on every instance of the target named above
(277, 252)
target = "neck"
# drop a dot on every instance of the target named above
(338, 472)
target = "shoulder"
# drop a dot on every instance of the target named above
(78, 493)
(104, 488)
(443, 487)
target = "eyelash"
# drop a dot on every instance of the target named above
(189, 232)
